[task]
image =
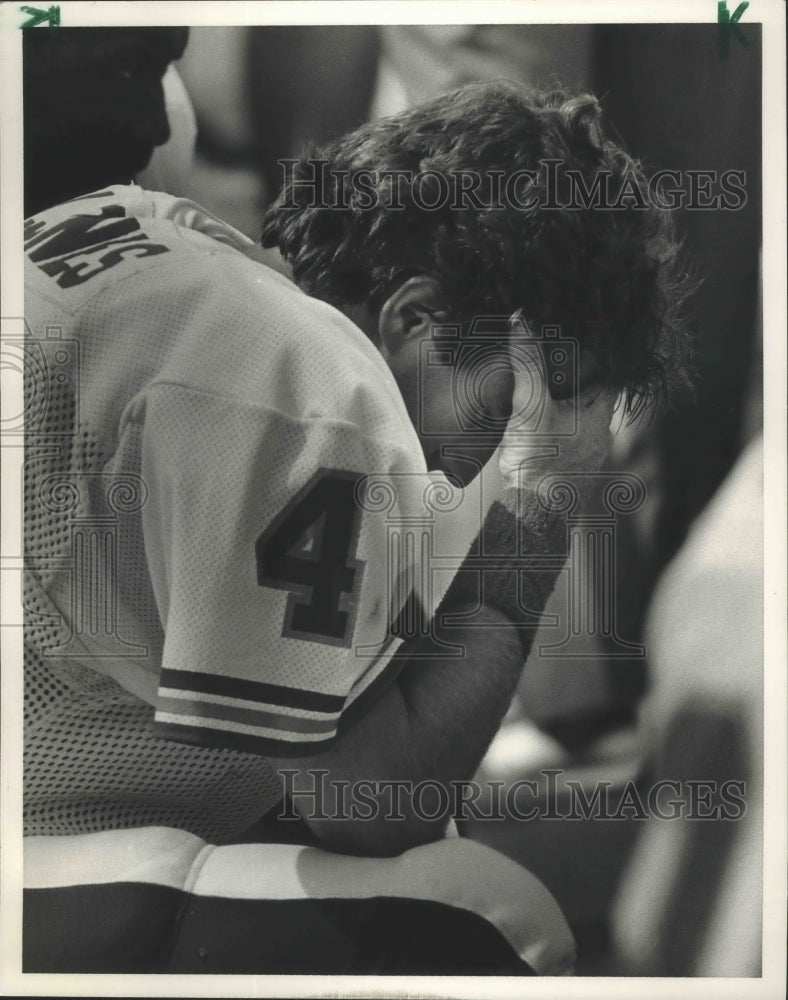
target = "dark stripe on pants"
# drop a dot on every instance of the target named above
(136, 928)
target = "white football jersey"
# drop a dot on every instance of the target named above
(210, 576)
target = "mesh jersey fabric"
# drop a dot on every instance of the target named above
(197, 430)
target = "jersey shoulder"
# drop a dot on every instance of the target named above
(74, 250)
(159, 292)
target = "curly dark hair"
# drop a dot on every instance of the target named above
(611, 277)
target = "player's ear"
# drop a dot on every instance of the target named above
(411, 311)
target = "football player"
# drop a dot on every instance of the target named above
(216, 597)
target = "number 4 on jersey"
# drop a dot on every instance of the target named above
(309, 550)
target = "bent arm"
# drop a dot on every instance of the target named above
(436, 721)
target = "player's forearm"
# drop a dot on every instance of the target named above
(514, 564)
(432, 725)
(436, 722)
(455, 705)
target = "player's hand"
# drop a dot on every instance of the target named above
(546, 435)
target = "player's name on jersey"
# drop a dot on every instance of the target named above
(77, 248)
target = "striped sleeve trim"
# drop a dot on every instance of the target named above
(250, 691)
(262, 718)
(247, 716)
(213, 735)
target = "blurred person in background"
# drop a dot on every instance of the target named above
(263, 93)
(94, 107)
(704, 117)
(418, 61)
(691, 894)
(171, 167)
